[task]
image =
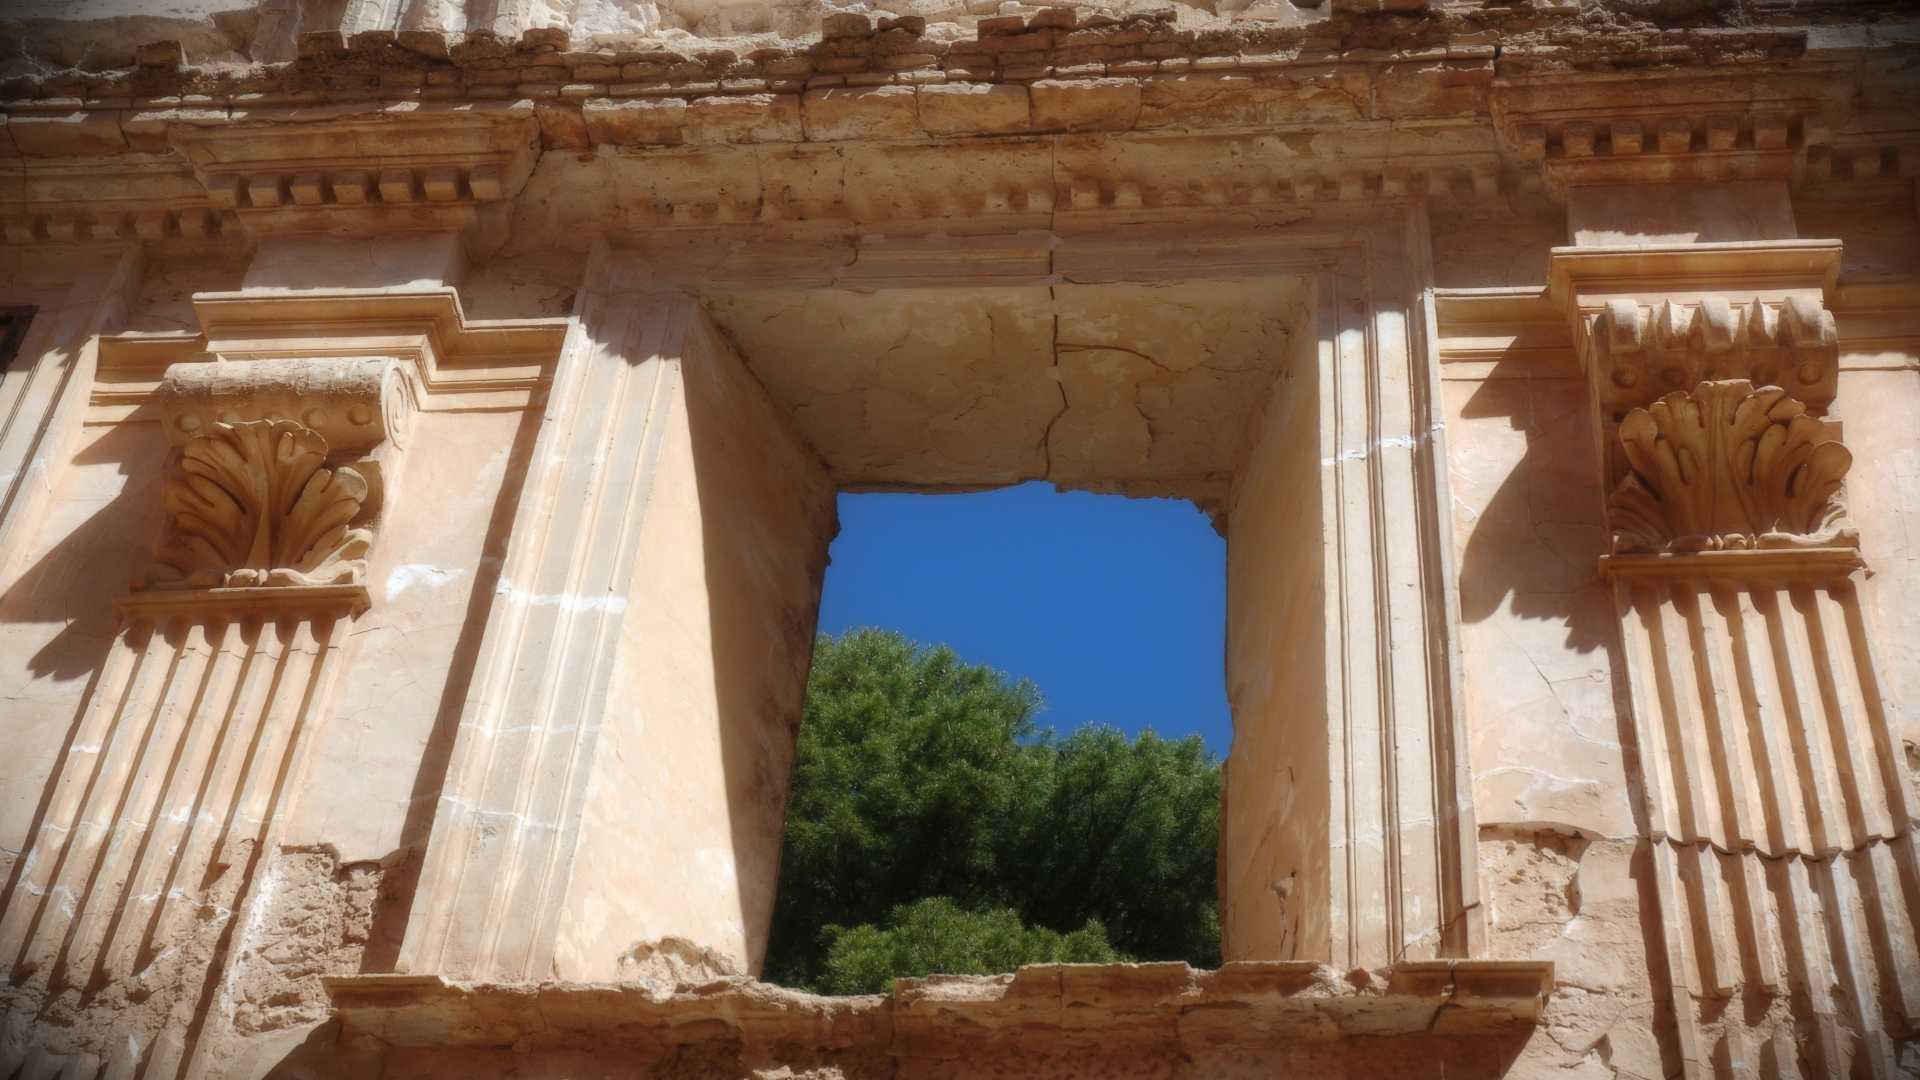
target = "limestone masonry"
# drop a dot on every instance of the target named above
(420, 423)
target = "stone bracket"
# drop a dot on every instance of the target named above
(1651, 320)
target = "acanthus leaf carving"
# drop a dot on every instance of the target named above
(253, 503)
(1726, 465)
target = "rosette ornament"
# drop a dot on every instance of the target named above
(253, 503)
(1727, 466)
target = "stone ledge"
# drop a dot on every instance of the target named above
(1151, 1006)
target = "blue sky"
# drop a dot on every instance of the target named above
(1114, 607)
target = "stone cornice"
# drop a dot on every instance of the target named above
(1040, 118)
(447, 352)
(1138, 1006)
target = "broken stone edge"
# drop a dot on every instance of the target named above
(1154, 1004)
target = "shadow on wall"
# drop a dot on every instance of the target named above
(1539, 537)
(77, 580)
(764, 534)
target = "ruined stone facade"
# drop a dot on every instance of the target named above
(421, 422)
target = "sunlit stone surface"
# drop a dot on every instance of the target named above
(418, 450)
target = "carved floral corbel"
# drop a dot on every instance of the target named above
(253, 503)
(256, 498)
(1727, 466)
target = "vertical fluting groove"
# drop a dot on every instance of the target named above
(215, 797)
(1892, 913)
(1385, 768)
(1673, 717)
(1887, 749)
(544, 794)
(1850, 957)
(1344, 907)
(1683, 980)
(1849, 742)
(317, 659)
(1761, 941)
(1719, 796)
(511, 956)
(653, 403)
(148, 891)
(1701, 871)
(285, 702)
(1766, 722)
(46, 855)
(1736, 773)
(1637, 622)
(1858, 724)
(263, 689)
(112, 892)
(94, 825)
(1810, 756)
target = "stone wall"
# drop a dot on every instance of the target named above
(415, 483)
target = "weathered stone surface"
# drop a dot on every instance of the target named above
(973, 109)
(635, 121)
(878, 112)
(1085, 105)
(81, 133)
(746, 118)
(517, 358)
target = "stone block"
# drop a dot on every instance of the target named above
(635, 121)
(974, 108)
(1434, 88)
(845, 24)
(1086, 105)
(74, 134)
(747, 118)
(877, 112)
(562, 126)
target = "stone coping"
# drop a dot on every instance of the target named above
(1455, 47)
(1040, 1006)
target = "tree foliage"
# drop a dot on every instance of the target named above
(938, 935)
(919, 775)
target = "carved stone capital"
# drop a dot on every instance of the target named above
(268, 483)
(1649, 321)
(1637, 353)
(352, 402)
(1726, 466)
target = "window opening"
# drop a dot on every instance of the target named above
(1011, 751)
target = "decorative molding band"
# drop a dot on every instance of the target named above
(1651, 320)
(1670, 146)
(80, 223)
(1864, 161)
(300, 176)
(1637, 352)
(149, 200)
(351, 187)
(1728, 466)
(435, 345)
(352, 402)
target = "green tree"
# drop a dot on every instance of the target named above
(918, 775)
(937, 935)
